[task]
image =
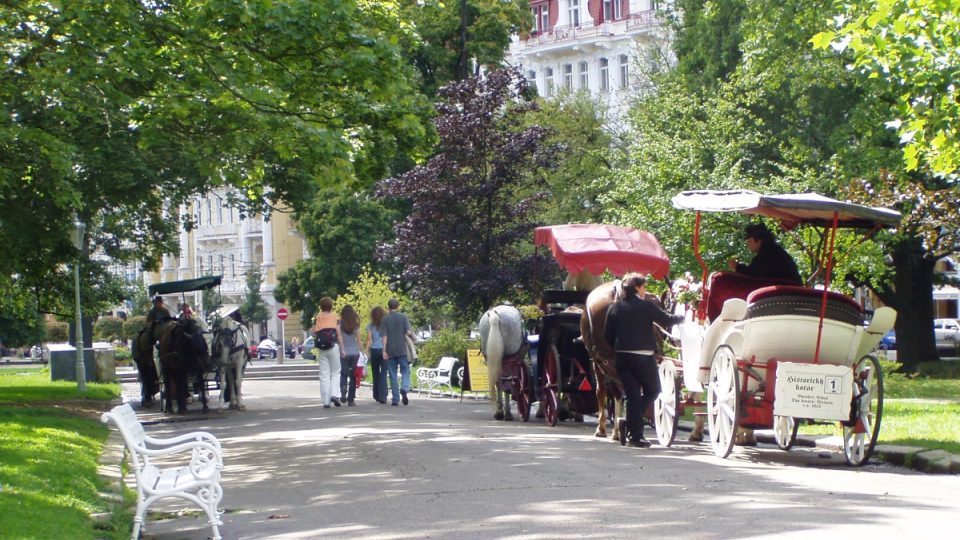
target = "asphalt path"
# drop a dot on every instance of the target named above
(442, 468)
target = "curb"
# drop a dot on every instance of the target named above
(913, 457)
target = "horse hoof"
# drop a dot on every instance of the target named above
(695, 437)
(241, 408)
(600, 433)
(508, 417)
(498, 416)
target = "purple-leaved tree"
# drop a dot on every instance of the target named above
(473, 206)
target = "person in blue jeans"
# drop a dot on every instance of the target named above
(377, 363)
(395, 328)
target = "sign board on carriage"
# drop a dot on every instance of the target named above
(477, 371)
(819, 391)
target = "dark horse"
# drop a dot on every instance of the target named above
(183, 352)
(142, 352)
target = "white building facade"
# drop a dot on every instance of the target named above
(226, 244)
(588, 45)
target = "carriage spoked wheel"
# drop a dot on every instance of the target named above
(665, 407)
(785, 431)
(551, 372)
(860, 436)
(520, 389)
(723, 400)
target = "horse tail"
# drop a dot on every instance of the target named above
(494, 351)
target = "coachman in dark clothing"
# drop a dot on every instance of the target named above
(770, 259)
(629, 330)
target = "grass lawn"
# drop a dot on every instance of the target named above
(918, 411)
(50, 442)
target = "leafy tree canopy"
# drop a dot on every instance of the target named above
(253, 308)
(342, 231)
(474, 204)
(913, 46)
(125, 110)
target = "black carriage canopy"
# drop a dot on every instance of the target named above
(791, 209)
(187, 285)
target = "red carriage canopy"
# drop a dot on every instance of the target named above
(596, 248)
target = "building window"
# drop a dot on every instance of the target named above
(209, 211)
(548, 81)
(604, 75)
(607, 10)
(541, 18)
(618, 9)
(575, 12)
(210, 263)
(568, 76)
(584, 76)
(221, 264)
(219, 211)
(624, 71)
(233, 266)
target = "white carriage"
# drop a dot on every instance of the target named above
(769, 354)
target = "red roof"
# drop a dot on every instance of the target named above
(596, 248)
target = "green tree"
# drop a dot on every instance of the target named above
(123, 111)
(707, 40)
(474, 204)
(108, 328)
(437, 53)
(589, 149)
(368, 290)
(133, 325)
(913, 46)
(253, 308)
(342, 231)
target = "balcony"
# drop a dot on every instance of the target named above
(564, 36)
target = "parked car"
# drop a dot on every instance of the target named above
(889, 341)
(307, 353)
(947, 332)
(267, 349)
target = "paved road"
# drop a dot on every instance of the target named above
(441, 469)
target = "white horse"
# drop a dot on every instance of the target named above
(501, 334)
(231, 351)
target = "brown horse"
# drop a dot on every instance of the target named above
(142, 353)
(183, 352)
(591, 330)
(602, 354)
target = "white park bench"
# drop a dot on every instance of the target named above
(437, 377)
(196, 480)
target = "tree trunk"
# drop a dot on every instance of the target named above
(913, 284)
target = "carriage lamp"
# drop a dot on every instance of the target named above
(79, 228)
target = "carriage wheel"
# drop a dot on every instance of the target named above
(522, 392)
(723, 400)
(860, 438)
(665, 407)
(785, 431)
(551, 372)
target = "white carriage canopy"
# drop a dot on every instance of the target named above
(791, 209)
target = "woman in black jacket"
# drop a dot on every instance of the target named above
(629, 330)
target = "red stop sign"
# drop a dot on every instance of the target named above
(282, 313)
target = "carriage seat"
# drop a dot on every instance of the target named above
(727, 285)
(793, 300)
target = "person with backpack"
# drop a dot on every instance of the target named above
(329, 342)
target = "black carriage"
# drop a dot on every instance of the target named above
(211, 380)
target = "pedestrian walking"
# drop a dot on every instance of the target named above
(395, 328)
(374, 347)
(350, 332)
(329, 342)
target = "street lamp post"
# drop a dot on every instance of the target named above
(78, 230)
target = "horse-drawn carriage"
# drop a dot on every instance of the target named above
(188, 355)
(769, 355)
(559, 372)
